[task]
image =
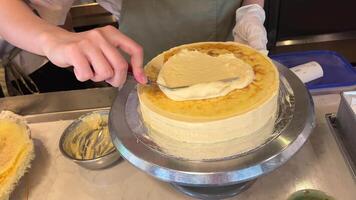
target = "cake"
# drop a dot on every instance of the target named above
(16, 151)
(205, 108)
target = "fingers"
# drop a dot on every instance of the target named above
(118, 64)
(95, 56)
(82, 69)
(252, 34)
(257, 38)
(238, 39)
(102, 69)
(134, 50)
(249, 27)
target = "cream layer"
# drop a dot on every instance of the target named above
(211, 131)
(202, 73)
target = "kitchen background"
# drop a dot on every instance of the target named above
(292, 26)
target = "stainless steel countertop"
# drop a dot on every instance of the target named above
(318, 165)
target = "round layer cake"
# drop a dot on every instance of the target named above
(238, 114)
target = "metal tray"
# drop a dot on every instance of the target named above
(343, 125)
(226, 171)
(346, 117)
(342, 142)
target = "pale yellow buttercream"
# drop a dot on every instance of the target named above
(203, 74)
(90, 139)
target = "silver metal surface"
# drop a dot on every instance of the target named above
(317, 38)
(346, 117)
(319, 164)
(333, 90)
(213, 193)
(91, 14)
(218, 172)
(343, 126)
(345, 146)
(59, 105)
(101, 162)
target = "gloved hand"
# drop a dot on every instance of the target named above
(249, 27)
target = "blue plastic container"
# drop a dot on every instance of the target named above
(338, 72)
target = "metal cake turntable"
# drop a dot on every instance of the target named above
(217, 178)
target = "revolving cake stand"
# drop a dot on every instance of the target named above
(217, 178)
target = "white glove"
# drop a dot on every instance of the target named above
(249, 27)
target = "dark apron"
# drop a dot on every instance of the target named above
(158, 25)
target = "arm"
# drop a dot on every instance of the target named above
(93, 54)
(248, 2)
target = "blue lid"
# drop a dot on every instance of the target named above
(338, 72)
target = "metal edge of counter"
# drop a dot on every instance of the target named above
(59, 105)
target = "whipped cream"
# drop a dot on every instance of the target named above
(203, 73)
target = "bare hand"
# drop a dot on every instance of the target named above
(94, 54)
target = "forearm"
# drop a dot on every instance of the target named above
(22, 28)
(259, 2)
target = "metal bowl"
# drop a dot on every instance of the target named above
(100, 162)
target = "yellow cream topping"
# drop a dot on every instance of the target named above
(201, 75)
(91, 139)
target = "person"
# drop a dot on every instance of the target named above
(145, 29)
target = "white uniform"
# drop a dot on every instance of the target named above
(55, 12)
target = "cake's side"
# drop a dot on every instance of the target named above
(237, 115)
(211, 131)
(216, 150)
(237, 102)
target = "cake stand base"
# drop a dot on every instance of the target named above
(218, 192)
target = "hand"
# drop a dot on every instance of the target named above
(249, 27)
(94, 54)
